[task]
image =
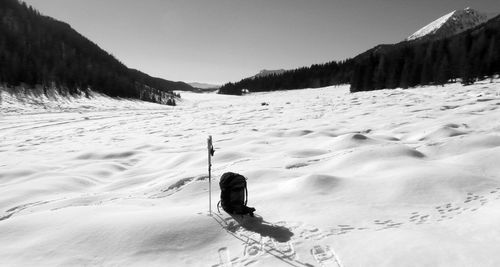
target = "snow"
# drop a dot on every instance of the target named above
(431, 27)
(384, 178)
(54, 102)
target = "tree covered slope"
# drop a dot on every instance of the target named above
(38, 50)
(470, 55)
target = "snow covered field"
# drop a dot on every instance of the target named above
(384, 178)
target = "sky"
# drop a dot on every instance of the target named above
(218, 41)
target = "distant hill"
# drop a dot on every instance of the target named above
(205, 86)
(37, 50)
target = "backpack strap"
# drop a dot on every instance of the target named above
(246, 195)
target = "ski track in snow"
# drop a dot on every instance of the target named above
(354, 177)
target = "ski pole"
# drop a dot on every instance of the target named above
(210, 154)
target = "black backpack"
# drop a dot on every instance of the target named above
(234, 194)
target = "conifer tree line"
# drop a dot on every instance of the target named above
(318, 75)
(36, 50)
(469, 56)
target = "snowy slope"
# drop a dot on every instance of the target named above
(54, 102)
(450, 24)
(432, 27)
(382, 178)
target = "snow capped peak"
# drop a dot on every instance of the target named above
(450, 24)
(431, 27)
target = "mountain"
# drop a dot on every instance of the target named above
(450, 24)
(265, 72)
(39, 51)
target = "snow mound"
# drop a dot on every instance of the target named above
(323, 184)
(350, 141)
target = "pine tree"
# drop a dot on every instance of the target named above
(443, 73)
(379, 76)
(492, 58)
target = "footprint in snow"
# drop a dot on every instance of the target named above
(224, 258)
(324, 256)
